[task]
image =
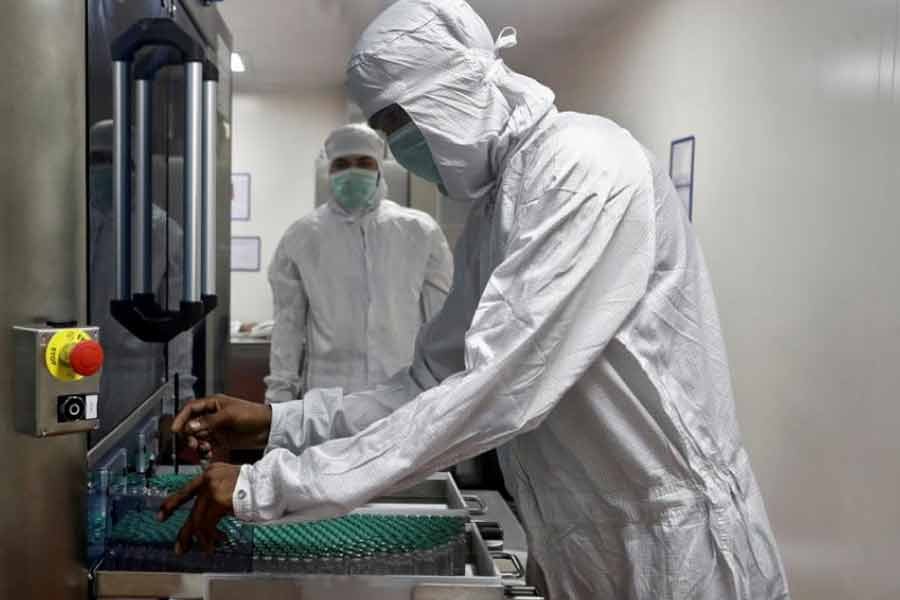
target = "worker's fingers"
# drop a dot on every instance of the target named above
(205, 524)
(192, 409)
(186, 534)
(180, 497)
(204, 426)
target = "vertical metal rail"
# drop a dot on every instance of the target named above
(210, 154)
(122, 176)
(193, 160)
(143, 209)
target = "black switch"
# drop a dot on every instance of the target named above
(70, 408)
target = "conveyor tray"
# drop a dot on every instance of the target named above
(479, 579)
(354, 544)
(480, 582)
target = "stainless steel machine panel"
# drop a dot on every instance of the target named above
(50, 95)
(42, 277)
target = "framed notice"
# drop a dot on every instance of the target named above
(245, 253)
(681, 170)
(240, 196)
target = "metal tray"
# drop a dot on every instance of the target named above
(482, 582)
(438, 495)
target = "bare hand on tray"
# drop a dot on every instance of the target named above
(221, 423)
(212, 492)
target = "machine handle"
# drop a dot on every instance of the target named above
(480, 507)
(182, 48)
(518, 570)
(141, 313)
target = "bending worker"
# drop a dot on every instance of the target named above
(580, 338)
(354, 280)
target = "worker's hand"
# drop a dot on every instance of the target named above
(212, 492)
(221, 423)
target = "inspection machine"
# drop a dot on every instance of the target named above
(116, 165)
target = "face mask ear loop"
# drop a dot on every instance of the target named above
(507, 38)
(370, 202)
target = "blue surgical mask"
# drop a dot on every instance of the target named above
(411, 150)
(354, 189)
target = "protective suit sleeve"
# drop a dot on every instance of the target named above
(289, 332)
(576, 263)
(438, 276)
(326, 414)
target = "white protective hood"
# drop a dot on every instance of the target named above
(438, 61)
(357, 139)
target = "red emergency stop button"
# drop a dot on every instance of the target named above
(86, 357)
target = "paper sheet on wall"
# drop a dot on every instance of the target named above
(245, 253)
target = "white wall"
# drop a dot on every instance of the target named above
(796, 109)
(276, 139)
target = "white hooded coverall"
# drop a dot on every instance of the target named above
(580, 337)
(352, 290)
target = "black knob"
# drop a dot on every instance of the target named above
(70, 408)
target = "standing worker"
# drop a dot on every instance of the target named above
(580, 338)
(354, 280)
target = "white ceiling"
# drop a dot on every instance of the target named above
(302, 44)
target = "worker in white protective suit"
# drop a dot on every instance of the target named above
(580, 338)
(354, 280)
(134, 369)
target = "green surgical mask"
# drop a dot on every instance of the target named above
(411, 150)
(354, 189)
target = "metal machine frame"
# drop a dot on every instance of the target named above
(43, 109)
(44, 229)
